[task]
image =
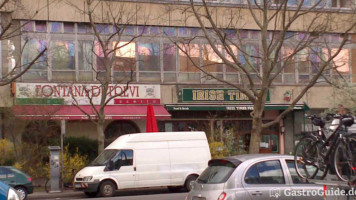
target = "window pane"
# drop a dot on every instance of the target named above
(250, 54)
(85, 55)
(62, 53)
(56, 27)
(129, 30)
(63, 76)
(289, 62)
(148, 56)
(68, 27)
(211, 61)
(28, 25)
(183, 32)
(31, 50)
(341, 61)
(243, 34)
(35, 75)
(84, 28)
(189, 77)
(217, 172)
(270, 172)
(295, 178)
(143, 30)
(41, 26)
(252, 176)
(85, 75)
(169, 31)
(186, 65)
(102, 28)
(169, 57)
(125, 56)
(154, 30)
(150, 77)
(169, 77)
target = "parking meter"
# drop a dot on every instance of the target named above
(55, 167)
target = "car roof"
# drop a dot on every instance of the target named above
(251, 157)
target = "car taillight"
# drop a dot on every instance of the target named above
(29, 179)
(222, 196)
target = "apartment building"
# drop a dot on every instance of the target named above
(184, 98)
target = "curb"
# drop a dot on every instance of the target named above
(45, 195)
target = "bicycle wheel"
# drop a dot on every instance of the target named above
(307, 158)
(345, 159)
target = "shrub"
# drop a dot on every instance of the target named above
(7, 152)
(72, 161)
(83, 146)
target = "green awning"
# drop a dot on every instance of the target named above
(229, 107)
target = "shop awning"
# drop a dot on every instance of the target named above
(229, 107)
(70, 112)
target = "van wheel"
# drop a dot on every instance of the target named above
(22, 192)
(90, 194)
(107, 189)
(189, 182)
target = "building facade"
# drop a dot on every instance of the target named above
(183, 96)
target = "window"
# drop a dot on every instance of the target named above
(341, 67)
(56, 27)
(169, 63)
(289, 66)
(295, 177)
(188, 67)
(62, 60)
(68, 27)
(149, 62)
(341, 3)
(85, 60)
(303, 66)
(125, 60)
(84, 28)
(212, 63)
(38, 70)
(124, 158)
(28, 25)
(41, 26)
(268, 172)
(218, 171)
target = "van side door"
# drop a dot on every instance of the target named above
(123, 169)
(266, 180)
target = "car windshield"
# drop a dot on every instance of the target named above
(217, 172)
(104, 157)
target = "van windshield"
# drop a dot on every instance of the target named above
(217, 172)
(104, 157)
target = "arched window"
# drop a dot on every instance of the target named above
(118, 128)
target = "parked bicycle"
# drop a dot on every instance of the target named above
(316, 154)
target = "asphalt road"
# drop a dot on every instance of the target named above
(137, 194)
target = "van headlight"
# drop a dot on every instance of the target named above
(87, 178)
(12, 195)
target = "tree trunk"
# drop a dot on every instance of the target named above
(101, 135)
(256, 130)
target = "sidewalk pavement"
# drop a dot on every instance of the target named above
(54, 195)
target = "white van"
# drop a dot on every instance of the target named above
(173, 159)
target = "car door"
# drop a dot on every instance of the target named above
(266, 180)
(123, 169)
(301, 189)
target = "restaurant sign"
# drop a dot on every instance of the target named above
(214, 95)
(66, 94)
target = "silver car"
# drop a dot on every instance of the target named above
(255, 177)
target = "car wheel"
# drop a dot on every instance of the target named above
(22, 192)
(107, 189)
(189, 182)
(90, 194)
